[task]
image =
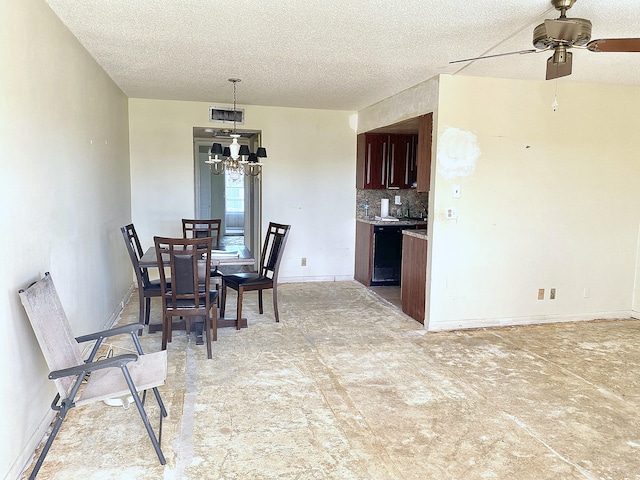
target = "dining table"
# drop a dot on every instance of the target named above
(221, 255)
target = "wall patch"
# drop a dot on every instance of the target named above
(458, 153)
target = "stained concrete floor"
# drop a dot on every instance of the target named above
(347, 387)
(389, 294)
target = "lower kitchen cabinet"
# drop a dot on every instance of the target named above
(378, 254)
(364, 251)
(413, 285)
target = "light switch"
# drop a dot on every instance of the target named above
(398, 202)
(456, 191)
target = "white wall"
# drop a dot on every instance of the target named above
(636, 292)
(551, 201)
(308, 180)
(64, 193)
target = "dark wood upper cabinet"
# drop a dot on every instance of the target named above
(376, 157)
(425, 129)
(402, 160)
(386, 161)
(396, 156)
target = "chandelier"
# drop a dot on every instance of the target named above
(235, 159)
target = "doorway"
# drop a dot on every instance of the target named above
(235, 200)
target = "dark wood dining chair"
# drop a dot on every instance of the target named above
(188, 295)
(147, 289)
(265, 278)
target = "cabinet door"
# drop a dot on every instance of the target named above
(375, 161)
(425, 128)
(363, 253)
(413, 164)
(401, 161)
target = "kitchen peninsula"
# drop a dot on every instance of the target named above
(414, 273)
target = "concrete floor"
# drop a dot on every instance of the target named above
(347, 387)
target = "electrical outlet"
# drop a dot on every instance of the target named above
(303, 262)
(451, 213)
(552, 294)
(541, 294)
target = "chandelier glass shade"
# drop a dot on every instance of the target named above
(236, 159)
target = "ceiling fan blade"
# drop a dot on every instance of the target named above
(614, 45)
(559, 69)
(493, 56)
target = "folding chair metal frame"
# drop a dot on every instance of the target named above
(60, 349)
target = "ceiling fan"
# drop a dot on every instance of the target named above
(564, 33)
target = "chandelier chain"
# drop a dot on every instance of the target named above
(234, 105)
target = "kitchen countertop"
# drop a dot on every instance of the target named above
(420, 233)
(399, 223)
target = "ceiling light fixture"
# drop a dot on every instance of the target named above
(235, 159)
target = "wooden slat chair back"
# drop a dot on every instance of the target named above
(134, 248)
(202, 229)
(147, 289)
(272, 249)
(205, 228)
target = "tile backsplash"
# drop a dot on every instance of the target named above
(416, 202)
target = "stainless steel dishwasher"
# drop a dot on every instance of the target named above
(387, 253)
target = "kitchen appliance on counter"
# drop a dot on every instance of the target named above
(387, 253)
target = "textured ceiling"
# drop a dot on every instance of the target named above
(345, 54)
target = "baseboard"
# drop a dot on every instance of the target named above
(319, 278)
(113, 318)
(27, 456)
(535, 320)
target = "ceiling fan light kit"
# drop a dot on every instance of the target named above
(563, 33)
(559, 65)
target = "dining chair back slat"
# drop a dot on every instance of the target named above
(147, 289)
(202, 228)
